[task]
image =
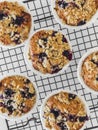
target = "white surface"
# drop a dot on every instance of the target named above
(3, 124)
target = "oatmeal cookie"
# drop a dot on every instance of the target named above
(17, 96)
(15, 23)
(89, 71)
(76, 12)
(64, 111)
(49, 51)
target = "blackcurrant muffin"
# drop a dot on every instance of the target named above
(75, 12)
(17, 96)
(89, 71)
(50, 51)
(15, 23)
(64, 111)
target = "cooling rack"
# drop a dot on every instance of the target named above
(12, 60)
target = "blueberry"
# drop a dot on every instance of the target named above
(62, 126)
(97, 79)
(54, 32)
(55, 69)
(9, 102)
(71, 96)
(74, 5)
(1, 96)
(42, 56)
(26, 93)
(83, 118)
(94, 62)
(64, 39)
(68, 54)
(2, 104)
(72, 118)
(30, 95)
(2, 15)
(19, 20)
(44, 39)
(27, 81)
(22, 94)
(62, 4)
(10, 109)
(81, 23)
(17, 41)
(9, 92)
(55, 112)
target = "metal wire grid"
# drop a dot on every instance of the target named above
(12, 60)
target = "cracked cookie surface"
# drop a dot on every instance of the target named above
(89, 71)
(76, 12)
(17, 96)
(15, 23)
(64, 111)
(49, 51)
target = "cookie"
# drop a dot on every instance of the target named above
(17, 96)
(15, 23)
(89, 71)
(49, 51)
(75, 12)
(64, 111)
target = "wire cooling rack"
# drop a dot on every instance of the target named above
(12, 60)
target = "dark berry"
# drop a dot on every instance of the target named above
(30, 95)
(9, 92)
(9, 102)
(55, 112)
(22, 94)
(2, 15)
(62, 126)
(2, 104)
(55, 69)
(68, 54)
(54, 32)
(27, 81)
(17, 41)
(64, 39)
(81, 23)
(83, 118)
(94, 62)
(44, 39)
(71, 96)
(74, 5)
(1, 96)
(97, 79)
(42, 56)
(19, 20)
(10, 109)
(62, 4)
(72, 118)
